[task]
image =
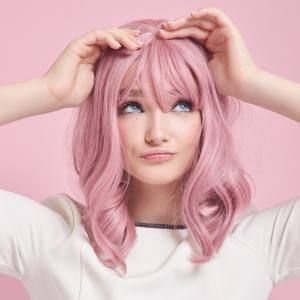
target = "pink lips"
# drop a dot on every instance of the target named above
(158, 156)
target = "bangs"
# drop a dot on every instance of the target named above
(161, 75)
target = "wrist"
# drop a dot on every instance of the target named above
(249, 85)
(25, 99)
(54, 103)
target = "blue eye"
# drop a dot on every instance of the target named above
(129, 104)
(136, 104)
(183, 103)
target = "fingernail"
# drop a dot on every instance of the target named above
(117, 44)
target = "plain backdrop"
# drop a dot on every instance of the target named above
(33, 152)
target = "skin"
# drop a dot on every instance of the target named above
(71, 78)
(146, 127)
(179, 131)
(231, 64)
(234, 73)
(232, 68)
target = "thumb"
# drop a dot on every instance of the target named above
(93, 55)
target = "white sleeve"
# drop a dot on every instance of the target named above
(27, 230)
(274, 234)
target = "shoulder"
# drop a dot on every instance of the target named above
(273, 235)
(254, 221)
(65, 206)
(250, 211)
(262, 230)
(59, 210)
(30, 229)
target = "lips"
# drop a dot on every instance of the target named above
(156, 152)
(158, 155)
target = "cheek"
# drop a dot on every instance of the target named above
(184, 128)
(188, 129)
(129, 132)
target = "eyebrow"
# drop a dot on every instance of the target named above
(138, 93)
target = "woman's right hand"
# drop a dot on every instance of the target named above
(71, 78)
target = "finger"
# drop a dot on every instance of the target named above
(110, 38)
(126, 38)
(92, 56)
(112, 42)
(188, 22)
(194, 32)
(214, 14)
(120, 32)
(91, 34)
(134, 32)
(85, 53)
(206, 24)
(102, 38)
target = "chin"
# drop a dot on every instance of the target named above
(157, 179)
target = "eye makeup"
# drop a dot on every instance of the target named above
(136, 102)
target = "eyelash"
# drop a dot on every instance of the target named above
(135, 101)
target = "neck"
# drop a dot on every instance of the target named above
(150, 203)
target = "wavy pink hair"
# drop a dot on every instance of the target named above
(215, 190)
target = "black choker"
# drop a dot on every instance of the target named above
(152, 225)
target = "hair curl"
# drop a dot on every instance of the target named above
(215, 190)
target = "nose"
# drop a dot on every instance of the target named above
(158, 128)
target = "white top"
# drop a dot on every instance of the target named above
(45, 246)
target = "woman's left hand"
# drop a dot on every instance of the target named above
(231, 65)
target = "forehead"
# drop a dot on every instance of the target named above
(135, 90)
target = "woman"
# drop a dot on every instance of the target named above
(152, 211)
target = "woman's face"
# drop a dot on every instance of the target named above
(143, 127)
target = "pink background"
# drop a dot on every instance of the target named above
(33, 150)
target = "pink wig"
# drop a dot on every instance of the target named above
(214, 191)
